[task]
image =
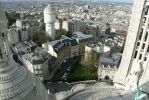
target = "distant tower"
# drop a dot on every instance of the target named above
(134, 67)
(50, 19)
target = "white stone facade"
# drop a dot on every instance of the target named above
(136, 49)
(108, 72)
(65, 25)
(57, 25)
(48, 47)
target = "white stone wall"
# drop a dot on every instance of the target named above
(50, 49)
(65, 25)
(100, 49)
(57, 25)
(19, 23)
(110, 72)
(106, 48)
(128, 53)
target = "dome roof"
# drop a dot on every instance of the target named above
(62, 95)
(49, 9)
(17, 83)
(78, 87)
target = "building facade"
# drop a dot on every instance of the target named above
(37, 63)
(108, 72)
(76, 26)
(83, 40)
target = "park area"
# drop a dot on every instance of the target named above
(82, 71)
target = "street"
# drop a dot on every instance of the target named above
(65, 68)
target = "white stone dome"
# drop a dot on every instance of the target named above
(78, 87)
(62, 95)
(17, 83)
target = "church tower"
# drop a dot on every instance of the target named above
(50, 19)
(134, 67)
(16, 82)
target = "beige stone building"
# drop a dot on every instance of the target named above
(60, 49)
(83, 41)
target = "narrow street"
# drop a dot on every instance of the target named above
(65, 68)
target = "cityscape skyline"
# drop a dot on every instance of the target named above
(74, 49)
(119, 1)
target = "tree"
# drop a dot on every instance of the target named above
(61, 32)
(92, 62)
(40, 38)
(92, 57)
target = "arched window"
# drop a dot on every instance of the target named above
(107, 77)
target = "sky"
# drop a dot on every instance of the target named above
(126, 1)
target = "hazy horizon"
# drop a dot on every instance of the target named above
(125, 1)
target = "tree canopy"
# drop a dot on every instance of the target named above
(40, 38)
(12, 18)
(61, 32)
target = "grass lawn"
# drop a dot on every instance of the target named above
(82, 72)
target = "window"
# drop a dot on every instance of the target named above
(140, 56)
(143, 46)
(145, 58)
(148, 49)
(146, 10)
(140, 36)
(146, 35)
(135, 54)
(144, 20)
(138, 44)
